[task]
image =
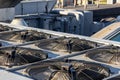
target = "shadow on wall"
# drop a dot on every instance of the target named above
(8, 3)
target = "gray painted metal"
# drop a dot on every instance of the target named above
(8, 3)
(34, 7)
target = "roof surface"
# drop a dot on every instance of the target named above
(106, 31)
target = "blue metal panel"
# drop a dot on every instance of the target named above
(29, 8)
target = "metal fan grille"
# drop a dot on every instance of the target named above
(22, 56)
(108, 55)
(64, 44)
(59, 71)
(5, 28)
(24, 36)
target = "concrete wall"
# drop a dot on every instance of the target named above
(7, 14)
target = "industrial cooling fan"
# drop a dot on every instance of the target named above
(109, 55)
(68, 70)
(16, 56)
(24, 36)
(66, 44)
